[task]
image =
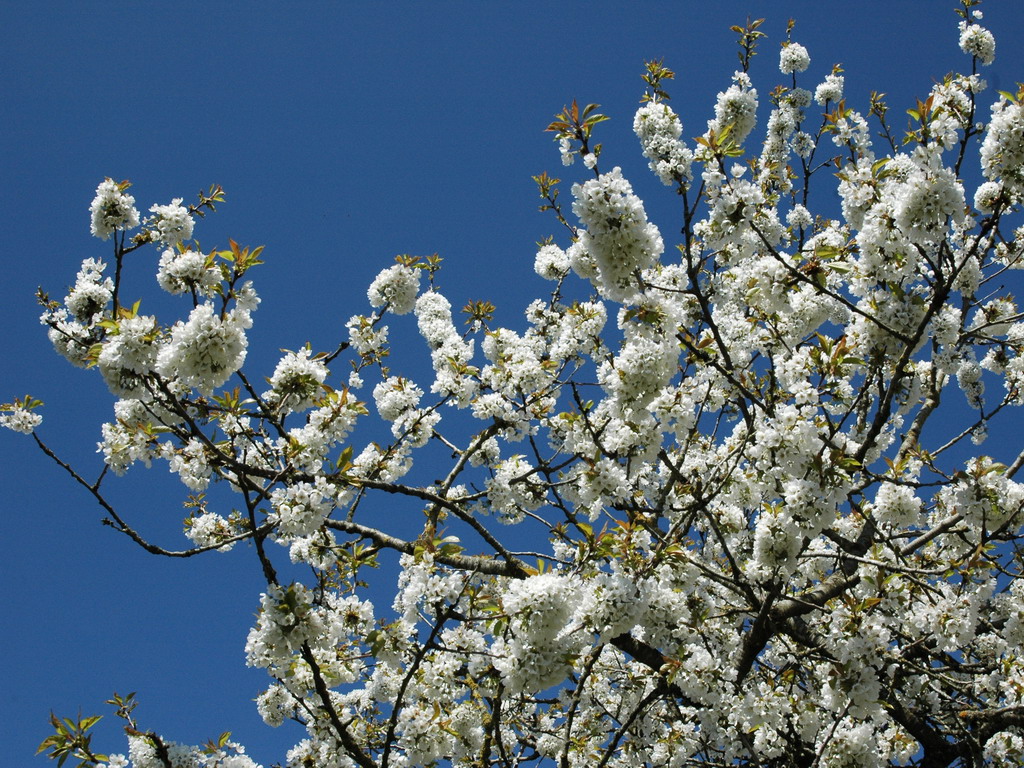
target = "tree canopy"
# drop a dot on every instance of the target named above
(723, 499)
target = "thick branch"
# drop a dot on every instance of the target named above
(351, 747)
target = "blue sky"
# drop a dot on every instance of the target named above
(343, 134)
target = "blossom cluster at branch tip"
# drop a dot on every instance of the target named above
(112, 209)
(19, 419)
(659, 129)
(978, 42)
(397, 288)
(793, 58)
(171, 224)
(618, 235)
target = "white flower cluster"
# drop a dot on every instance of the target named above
(112, 209)
(853, 132)
(451, 355)
(735, 204)
(184, 271)
(782, 124)
(145, 752)
(565, 151)
(129, 355)
(1002, 151)
(736, 107)
(281, 627)
(952, 108)
(325, 427)
(72, 326)
(829, 91)
(611, 604)
(210, 529)
(397, 400)
(366, 336)
(128, 438)
(422, 586)
(897, 505)
(70, 339)
(536, 655)
(510, 491)
(803, 144)
(396, 396)
(300, 509)
(579, 331)
(638, 372)
(517, 362)
(387, 466)
(1004, 750)
(551, 262)
(987, 196)
(92, 292)
(916, 202)
(171, 224)
(793, 58)
(396, 288)
(989, 499)
(20, 419)
(978, 42)
(926, 201)
(275, 705)
(297, 381)
(659, 129)
(799, 217)
(206, 350)
(618, 235)
(192, 465)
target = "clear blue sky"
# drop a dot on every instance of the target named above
(343, 134)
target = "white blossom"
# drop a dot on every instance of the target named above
(112, 209)
(205, 351)
(551, 262)
(736, 107)
(171, 224)
(297, 380)
(1002, 151)
(395, 397)
(978, 42)
(618, 235)
(20, 419)
(88, 299)
(209, 529)
(831, 90)
(183, 271)
(300, 509)
(129, 356)
(566, 151)
(659, 129)
(793, 58)
(396, 287)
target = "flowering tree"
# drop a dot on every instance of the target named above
(762, 536)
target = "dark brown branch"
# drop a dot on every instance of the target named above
(351, 746)
(118, 524)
